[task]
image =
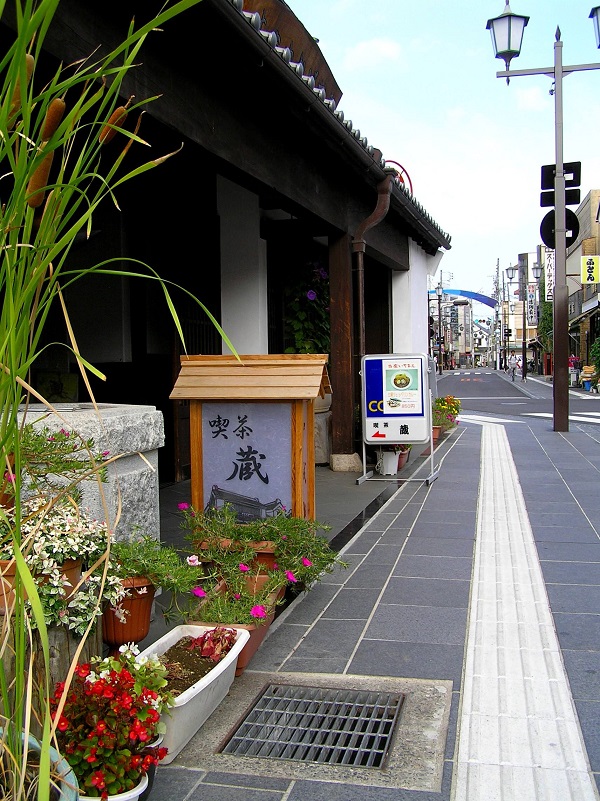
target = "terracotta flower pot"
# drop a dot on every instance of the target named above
(436, 431)
(71, 570)
(264, 550)
(138, 608)
(402, 459)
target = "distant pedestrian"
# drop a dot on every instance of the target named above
(513, 363)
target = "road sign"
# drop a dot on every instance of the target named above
(548, 226)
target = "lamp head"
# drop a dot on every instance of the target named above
(510, 272)
(507, 34)
(595, 16)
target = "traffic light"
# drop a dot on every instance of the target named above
(572, 198)
(431, 328)
(507, 333)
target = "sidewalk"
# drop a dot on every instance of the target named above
(477, 598)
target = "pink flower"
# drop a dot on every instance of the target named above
(192, 560)
(237, 596)
(244, 568)
(284, 537)
(275, 566)
(183, 506)
(105, 453)
(290, 576)
(198, 592)
(306, 562)
(258, 611)
(10, 477)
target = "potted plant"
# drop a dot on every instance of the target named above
(403, 451)
(192, 707)
(61, 546)
(251, 586)
(63, 782)
(444, 412)
(144, 564)
(107, 718)
(297, 553)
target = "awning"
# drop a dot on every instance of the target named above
(577, 320)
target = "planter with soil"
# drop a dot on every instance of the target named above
(204, 684)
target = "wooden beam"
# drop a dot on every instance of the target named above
(342, 344)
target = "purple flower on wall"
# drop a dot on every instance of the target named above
(311, 294)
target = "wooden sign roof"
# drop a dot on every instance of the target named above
(288, 376)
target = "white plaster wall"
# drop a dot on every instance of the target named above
(243, 269)
(410, 329)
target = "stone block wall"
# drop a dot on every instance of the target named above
(133, 435)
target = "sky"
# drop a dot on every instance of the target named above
(419, 80)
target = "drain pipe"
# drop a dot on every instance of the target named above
(359, 245)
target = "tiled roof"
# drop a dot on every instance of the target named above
(408, 200)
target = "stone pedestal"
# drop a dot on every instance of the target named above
(322, 437)
(131, 433)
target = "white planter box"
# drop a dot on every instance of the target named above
(198, 702)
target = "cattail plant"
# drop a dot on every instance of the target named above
(56, 171)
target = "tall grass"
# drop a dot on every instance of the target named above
(41, 214)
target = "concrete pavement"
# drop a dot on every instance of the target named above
(477, 597)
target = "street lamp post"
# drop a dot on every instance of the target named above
(439, 291)
(507, 35)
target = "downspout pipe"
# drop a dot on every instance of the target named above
(359, 246)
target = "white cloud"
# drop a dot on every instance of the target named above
(371, 54)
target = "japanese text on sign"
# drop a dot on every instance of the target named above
(590, 269)
(549, 274)
(247, 456)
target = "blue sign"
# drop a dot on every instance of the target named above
(396, 404)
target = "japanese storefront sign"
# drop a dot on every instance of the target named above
(549, 274)
(590, 269)
(531, 304)
(396, 405)
(247, 460)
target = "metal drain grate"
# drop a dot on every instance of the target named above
(315, 724)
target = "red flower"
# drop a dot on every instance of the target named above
(63, 723)
(98, 780)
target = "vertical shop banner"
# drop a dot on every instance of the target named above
(395, 394)
(531, 304)
(549, 274)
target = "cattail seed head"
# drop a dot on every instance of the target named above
(54, 115)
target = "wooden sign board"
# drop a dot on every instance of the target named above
(252, 431)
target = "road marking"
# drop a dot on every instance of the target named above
(476, 418)
(574, 417)
(519, 735)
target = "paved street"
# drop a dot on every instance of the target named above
(477, 597)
